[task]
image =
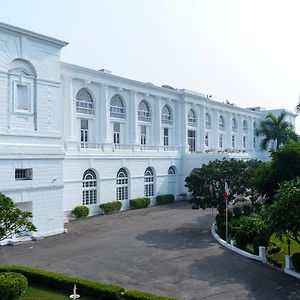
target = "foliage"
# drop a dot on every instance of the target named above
(296, 261)
(247, 209)
(283, 215)
(165, 199)
(241, 239)
(12, 285)
(257, 242)
(208, 182)
(276, 129)
(222, 230)
(237, 212)
(81, 211)
(137, 295)
(139, 202)
(110, 207)
(12, 219)
(64, 282)
(233, 232)
(285, 165)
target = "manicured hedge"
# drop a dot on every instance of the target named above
(165, 199)
(66, 283)
(12, 285)
(110, 207)
(139, 202)
(81, 211)
(137, 295)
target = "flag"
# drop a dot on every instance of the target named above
(226, 191)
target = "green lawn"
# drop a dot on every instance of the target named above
(40, 293)
(295, 247)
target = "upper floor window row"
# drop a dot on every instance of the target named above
(207, 121)
(84, 102)
(221, 123)
(191, 118)
(166, 115)
(245, 126)
(117, 109)
(234, 124)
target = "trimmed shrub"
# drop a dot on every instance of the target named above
(233, 232)
(247, 209)
(259, 241)
(111, 207)
(222, 230)
(254, 226)
(66, 283)
(139, 202)
(237, 211)
(164, 199)
(12, 285)
(137, 295)
(296, 261)
(241, 239)
(81, 211)
(220, 218)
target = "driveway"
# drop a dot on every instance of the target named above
(166, 250)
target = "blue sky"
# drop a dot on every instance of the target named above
(247, 52)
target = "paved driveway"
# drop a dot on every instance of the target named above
(166, 250)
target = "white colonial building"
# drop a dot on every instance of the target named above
(72, 135)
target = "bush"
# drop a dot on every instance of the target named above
(257, 207)
(241, 239)
(221, 217)
(110, 207)
(139, 202)
(233, 232)
(237, 211)
(296, 261)
(247, 209)
(81, 211)
(222, 230)
(164, 199)
(259, 241)
(254, 226)
(12, 285)
(66, 283)
(136, 295)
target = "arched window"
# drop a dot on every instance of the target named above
(149, 183)
(172, 170)
(245, 126)
(143, 112)
(234, 124)
(207, 121)
(122, 185)
(89, 185)
(221, 123)
(84, 102)
(117, 107)
(192, 118)
(166, 115)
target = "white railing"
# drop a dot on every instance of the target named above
(144, 116)
(122, 147)
(88, 145)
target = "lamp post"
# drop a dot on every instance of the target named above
(74, 295)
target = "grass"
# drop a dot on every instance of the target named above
(279, 257)
(34, 292)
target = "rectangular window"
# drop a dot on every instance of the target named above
(221, 140)
(254, 142)
(244, 142)
(206, 139)
(23, 97)
(166, 137)
(23, 174)
(233, 141)
(116, 133)
(143, 135)
(84, 131)
(192, 140)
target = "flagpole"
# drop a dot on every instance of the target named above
(226, 220)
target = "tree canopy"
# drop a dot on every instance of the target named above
(207, 183)
(283, 215)
(12, 219)
(276, 129)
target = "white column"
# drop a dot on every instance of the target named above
(105, 115)
(250, 134)
(177, 124)
(239, 132)
(201, 128)
(183, 124)
(133, 133)
(156, 122)
(215, 128)
(97, 123)
(228, 129)
(72, 109)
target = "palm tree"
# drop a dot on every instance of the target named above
(276, 129)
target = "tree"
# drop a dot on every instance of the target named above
(283, 215)
(284, 165)
(207, 183)
(275, 129)
(12, 219)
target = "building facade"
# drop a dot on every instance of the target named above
(72, 135)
